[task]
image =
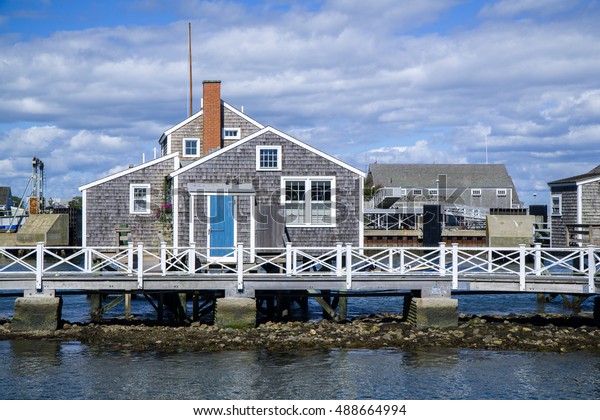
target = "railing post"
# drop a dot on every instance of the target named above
(39, 266)
(163, 258)
(402, 268)
(140, 266)
(537, 264)
(87, 260)
(192, 258)
(240, 266)
(442, 268)
(490, 260)
(348, 266)
(294, 261)
(454, 266)
(522, 267)
(288, 259)
(391, 260)
(130, 258)
(591, 268)
(339, 255)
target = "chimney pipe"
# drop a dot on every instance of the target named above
(212, 124)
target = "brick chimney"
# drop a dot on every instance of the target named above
(212, 127)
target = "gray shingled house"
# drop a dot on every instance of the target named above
(473, 185)
(574, 213)
(225, 179)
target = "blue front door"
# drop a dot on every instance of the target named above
(221, 222)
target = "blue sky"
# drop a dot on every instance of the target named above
(89, 86)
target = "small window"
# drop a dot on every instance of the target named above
(417, 191)
(139, 198)
(501, 193)
(556, 205)
(433, 191)
(231, 134)
(190, 147)
(476, 192)
(268, 158)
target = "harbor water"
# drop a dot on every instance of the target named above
(36, 369)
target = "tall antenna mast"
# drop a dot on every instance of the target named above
(190, 60)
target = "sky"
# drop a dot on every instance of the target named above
(88, 87)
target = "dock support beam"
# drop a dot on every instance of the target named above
(235, 312)
(597, 310)
(37, 313)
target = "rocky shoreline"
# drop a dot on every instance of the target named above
(552, 333)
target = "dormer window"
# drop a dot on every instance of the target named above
(190, 147)
(268, 158)
(231, 133)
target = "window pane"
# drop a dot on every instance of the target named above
(320, 190)
(294, 191)
(139, 200)
(268, 159)
(191, 147)
(320, 213)
(294, 213)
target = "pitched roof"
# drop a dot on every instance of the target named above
(457, 176)
(131, 170)
(259, 133)
(425, 175)
(579, 179)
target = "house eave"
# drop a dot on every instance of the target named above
(128, 171)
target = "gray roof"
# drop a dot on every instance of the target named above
(594, 173)
(457, 176)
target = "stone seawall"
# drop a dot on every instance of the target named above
(529, 333)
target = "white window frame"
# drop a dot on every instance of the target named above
(417, 191)
(552, 207)
(308, 200)
(132, 188)
(230, 137)
(476, 192)
(195, 140)
(501, 192)
(433, 191)
(259, 149)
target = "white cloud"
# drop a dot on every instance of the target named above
(420, 152)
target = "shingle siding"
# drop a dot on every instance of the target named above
(568, 214)
(108, 209)
(239, 165)
(194, 129)
(590, 201)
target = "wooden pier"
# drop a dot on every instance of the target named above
(241, 272)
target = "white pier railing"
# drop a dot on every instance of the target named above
(343, 261)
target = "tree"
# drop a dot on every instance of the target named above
(75, 203)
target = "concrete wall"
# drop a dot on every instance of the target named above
(509, 230)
